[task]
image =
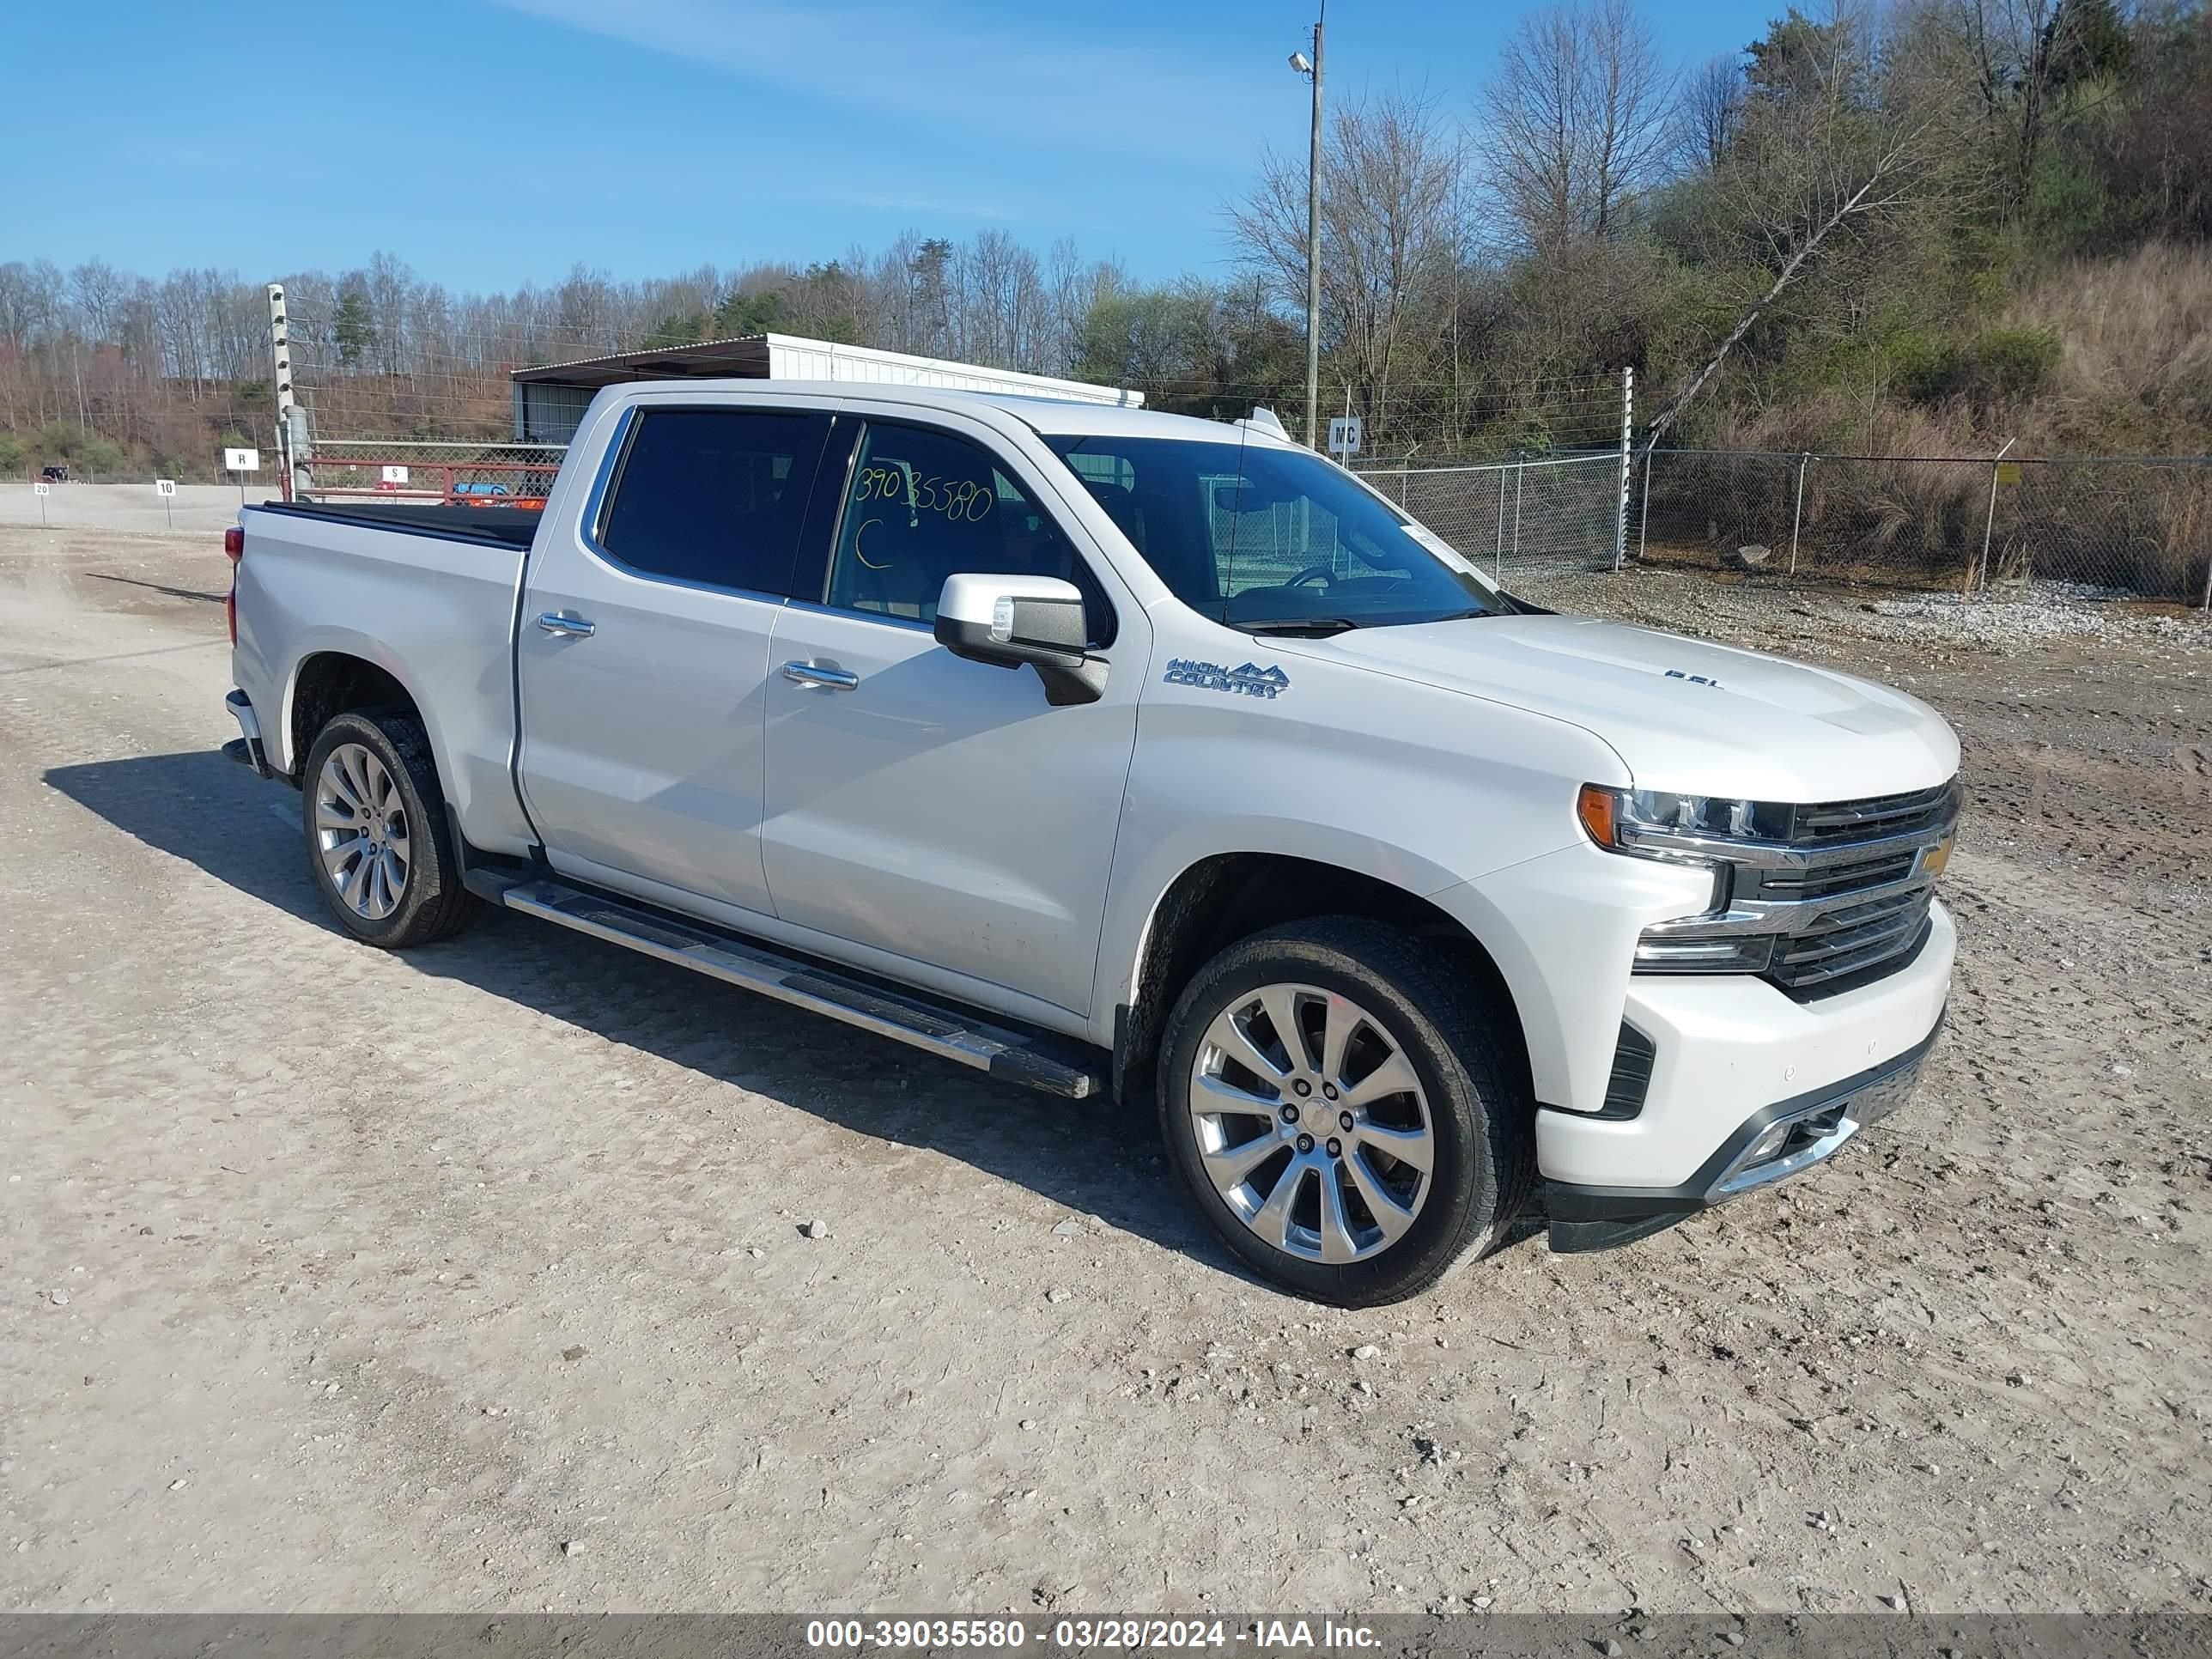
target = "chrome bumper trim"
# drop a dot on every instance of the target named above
(1588, 1217)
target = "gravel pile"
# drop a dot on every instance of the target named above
(2020, 618)
(2043, 611)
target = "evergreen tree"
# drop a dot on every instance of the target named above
(352, 328)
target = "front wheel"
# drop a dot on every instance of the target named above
(1339, 1101)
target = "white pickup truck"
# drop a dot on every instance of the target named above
(1106, 750)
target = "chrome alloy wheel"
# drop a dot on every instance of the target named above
(1311, 1123)
(361, 831)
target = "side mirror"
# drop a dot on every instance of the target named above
(1007, 621)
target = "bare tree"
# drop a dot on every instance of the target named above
(1710, 113)
(1836, 132)
(1578, 120)
(1391, 234)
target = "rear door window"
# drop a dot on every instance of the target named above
(713, 497)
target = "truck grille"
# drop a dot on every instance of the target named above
(1876, 815)
(1843, 901)
(1830, 880)
(1852, 939)
(1851, 847)
(1871, 854)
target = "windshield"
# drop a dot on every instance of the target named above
(1252, 536)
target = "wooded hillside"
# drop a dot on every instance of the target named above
(1919, 231)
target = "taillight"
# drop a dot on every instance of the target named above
(233, 548)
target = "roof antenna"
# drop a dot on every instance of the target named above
(1265, 420)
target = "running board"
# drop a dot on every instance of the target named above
(946, 1031)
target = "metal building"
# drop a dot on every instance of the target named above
(549, 402)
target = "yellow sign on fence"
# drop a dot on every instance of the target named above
(2008, 472)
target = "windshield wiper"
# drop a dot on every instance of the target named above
(1315, 625)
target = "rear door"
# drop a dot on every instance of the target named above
(643, 650)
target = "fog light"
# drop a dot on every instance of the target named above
(1768, 1145)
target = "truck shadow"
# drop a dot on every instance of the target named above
(1096, 1158)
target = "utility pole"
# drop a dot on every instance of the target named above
(1312, 72)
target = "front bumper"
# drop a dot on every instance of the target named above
(1773, 1144)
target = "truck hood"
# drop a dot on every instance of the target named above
(1684, 715)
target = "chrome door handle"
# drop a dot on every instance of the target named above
(564, 627)
(829, 679)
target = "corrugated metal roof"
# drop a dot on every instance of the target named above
(735, 356)
(761, 356)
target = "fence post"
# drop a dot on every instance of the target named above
(1797, 517)
(289, 471)
(1620, 518)
(1498, 563)
(1990, 524)
(1644, 522)
(1520, 467)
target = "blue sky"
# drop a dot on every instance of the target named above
(489, 143)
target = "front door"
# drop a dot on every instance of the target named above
(643, 654)
(938, 809)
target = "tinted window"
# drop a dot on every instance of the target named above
(714, 496)
(926, 505)
(1254, 533)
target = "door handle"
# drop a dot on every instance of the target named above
(566, 627)
(828, 679)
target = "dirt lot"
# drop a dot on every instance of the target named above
(473, 1280)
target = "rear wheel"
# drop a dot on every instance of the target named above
(1337, 1100)
(378, 842)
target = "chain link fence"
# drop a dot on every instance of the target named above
(2097, 527)
(1531, 516)
(2072, 528)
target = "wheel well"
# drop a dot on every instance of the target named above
(1221, 900)
(331, 683)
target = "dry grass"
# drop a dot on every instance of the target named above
(2133, 378)
(2135, 370)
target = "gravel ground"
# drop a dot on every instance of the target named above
(478, 1279)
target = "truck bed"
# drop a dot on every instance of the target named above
(426, 593)
(510, 526)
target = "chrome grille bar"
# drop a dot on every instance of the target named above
(1827, 880)
(1854, 938)
(1875, 815)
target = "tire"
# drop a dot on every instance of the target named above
(1402, 1002)
(382, 760)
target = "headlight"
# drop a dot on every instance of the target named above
(1656, 823)
(1699, 830)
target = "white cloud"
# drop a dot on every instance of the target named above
(1033, 84)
